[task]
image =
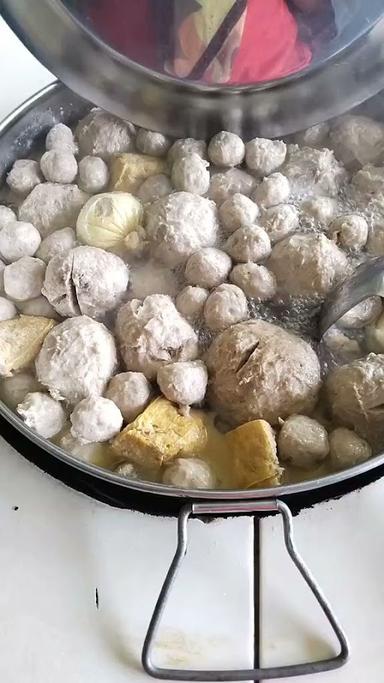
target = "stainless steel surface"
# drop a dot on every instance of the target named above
(367, 280)
(19, 133)
(89, 66)
(244, 674)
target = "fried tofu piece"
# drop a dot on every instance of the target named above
(254, 453)
(128, 171)
(21, 340)
(161, 434)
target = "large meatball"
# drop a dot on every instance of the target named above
(102, 134)
(307, 265)
(152, 333)
(355, 393)
(226, 149)
(42, 413)
(357, 139)
(180, 224)
(85, 280)
(265, 156)
(77, 359)
(260, 371)
(313, 170)
(51, 206)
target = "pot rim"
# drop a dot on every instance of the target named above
(153, 487)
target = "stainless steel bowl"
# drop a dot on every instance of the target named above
(20, 133)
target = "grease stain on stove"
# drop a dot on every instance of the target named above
(15, 508)
(97, 598)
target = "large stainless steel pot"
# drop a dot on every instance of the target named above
(20, 133)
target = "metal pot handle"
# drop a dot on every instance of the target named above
(244, 674)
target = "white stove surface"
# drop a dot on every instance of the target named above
(60, 549)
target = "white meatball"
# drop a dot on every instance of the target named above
(152, 332)
(95, 419)
(7, 309)
(93, 174)
(56, 244)
(347, 448)
(365, 313)
(85, 280)
(61, 137)
(14, 389)
(370, 179)
(150, 142)
(24, 279)
(374, 336)
(307, 265)
(355, 396)
(24, 175)
(6, 216)
(322, 209)
(191, 174)
(185, 146)
(190, 302)
(126, 469)
(42, 414)
(375, 242)
(184, 383)
(225, 306)
(350, 230)
(154, 187)
(18, 239)
(51, 206)
(189, 473)
(39, 306)
(225, 185)
(302, 442)
(273, 190)
(257, 282)
(237, 211)
(265, 156)
(179, 225)
(102, 134)
(77, 359)
(341, 346)
(226, 149)
(280, 221)
(250, 243)
(131, 392)
(208, 267)
(151, 278)
(315, 136)
(59, 166)
(357, 139)
(314, 171)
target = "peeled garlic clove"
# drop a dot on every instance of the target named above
(106, 219)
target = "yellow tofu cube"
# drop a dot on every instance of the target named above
(161, 434)
(254, 455)
(128, 171)
(21, 340)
